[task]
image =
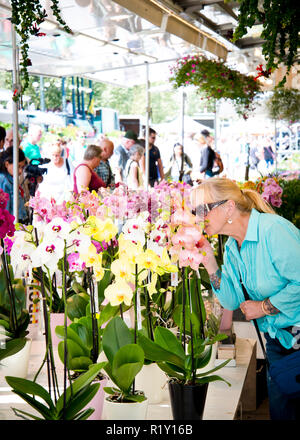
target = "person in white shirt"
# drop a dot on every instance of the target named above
(58, 181)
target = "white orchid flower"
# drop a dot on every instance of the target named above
(155, 247)
(78, 242)
(48, 254)
(21, 260)
(57, 228)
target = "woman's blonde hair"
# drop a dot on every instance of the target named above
(218, 188)
(54, 148)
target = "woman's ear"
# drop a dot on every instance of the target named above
(230, 207)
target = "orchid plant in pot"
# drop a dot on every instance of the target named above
(124, 360)
(46, 249)
(14, 317)
(182, 358)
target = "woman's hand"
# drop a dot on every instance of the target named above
(252, 309)
(209, 261)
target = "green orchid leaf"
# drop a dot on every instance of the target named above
(78, 384)
(136, 398)
(208, 379)
(84, 415)
(22, 415)
(128, 361)
(39, 407)
(12, 346)
(107, 313)
(116, 334)
(76, 305)
(81, 363)
(79, 401)
(169, 371)
(73, 351)
(154, 352)
(203, 359)
(167, 340)
(110, 390)
(72, 336)
(29, 387)
(214, 369)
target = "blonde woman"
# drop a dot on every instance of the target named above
(262, 251)
(58, 181)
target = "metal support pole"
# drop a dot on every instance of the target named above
(275, 146)
(82, 99)
(42, 94)
(63, 95)
(183, 97)
(78, 97)
(148, 111)
(15, 123)
(73, 97)
(216, 126)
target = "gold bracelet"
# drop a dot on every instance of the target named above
(262, 307)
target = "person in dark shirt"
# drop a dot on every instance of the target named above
(208, 156)
(156, 170)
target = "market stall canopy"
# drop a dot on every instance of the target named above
(107, 39)
(173, 127)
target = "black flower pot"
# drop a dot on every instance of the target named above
(187, 401)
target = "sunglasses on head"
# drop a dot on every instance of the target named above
(203, 210)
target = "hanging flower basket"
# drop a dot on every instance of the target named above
(280, 29)
(216, 81)
(27, 17)
(284, 104)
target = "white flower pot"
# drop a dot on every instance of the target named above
(125, 411)
(151, 379)
(17, 364)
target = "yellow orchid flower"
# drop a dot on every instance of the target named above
(151, 287)
(148, 260)
(106, 230)
(166, 263)
(123, 269)
(119, 292)
(91, 258)
(91, 226)
(98, 272)
(129, 250)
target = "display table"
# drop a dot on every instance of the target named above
(222, 401)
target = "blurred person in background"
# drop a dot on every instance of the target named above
(2, 137)
(104, 170)
(156, 170)
(121, 156)
(132, 173)
(6, 181)
(58, 181)
(9, 140)
(173, 168)
(84, 177)
(30, 143)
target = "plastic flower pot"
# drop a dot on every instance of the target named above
(187, 401)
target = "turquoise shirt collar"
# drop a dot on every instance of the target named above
(252, 231)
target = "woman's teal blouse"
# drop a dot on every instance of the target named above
(269, 264)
